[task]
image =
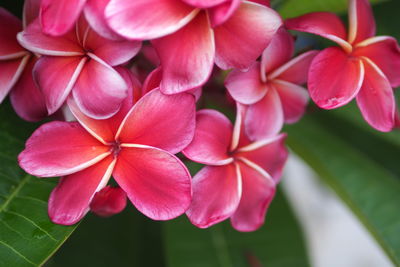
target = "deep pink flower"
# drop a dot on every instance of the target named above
(272, 88)
(108, 201)
(136, 147)
(79, 63)
(193, 34)
(16, 65)
(363, 66)
(240, 179)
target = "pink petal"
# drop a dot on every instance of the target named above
(376, 99)
(10, 72)
(296, 70)
(385, 53)
(95, 14)
(204, 3)
(187, 56)
(270, 154)
(262, 2)
(31, 11)
(9, 47)
(59, 16)
(108, 201)
(278, 52)
(33, 39)
(114, 52)
(60, 148)
(56, 76)
(246, 87)
(106, 130)
(152, 81)
(361, 21)
(152, 19)
(162, 121)
(242, 38)
(99, 90)
(221, 13)
(211, 140)
(257, 195)
(265, 118)
(334, 78)
(325, 24)
(26, 98)
(294, 99)
(156, 182)
(216, 195)
(70, 200)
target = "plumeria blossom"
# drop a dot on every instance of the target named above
(79, 64)
(135, 146)
(16, 65)
(364, 66)
(240, 178)
(190, 35)
(108, 201)
(272, 88)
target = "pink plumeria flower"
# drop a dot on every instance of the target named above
(16, 65)
(364, 66)
(240, 179)
(108, 201)
(190, 35)
(57, 17)
(79, 64)
(272, 88)
(135, 146)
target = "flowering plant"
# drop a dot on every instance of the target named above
(188, 108)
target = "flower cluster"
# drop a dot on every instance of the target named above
(134, 81)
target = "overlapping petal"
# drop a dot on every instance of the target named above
(221, 13)
(264, 118)
(33, 39)
(60, 148)
(57, 17)
(376, 99)
(361, 21)
(162, 121)
(31, 11)
(9, 47)
(56, 76)
(26, 98)
(108, 201)
(101, 97)
(70, 200)
(385, 53)
(212, 139)
(258, 192)
(242, 38)
(334, 78)
(216, 195)
(204, 3)
(246, 87)
(156, 182)
(294, 99)
(151, 19)
(10, 72)
(187, 56)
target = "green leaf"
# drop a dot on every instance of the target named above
(27, 236)
(278, 243)
(294, 8)
(346, 158)
(126, 239)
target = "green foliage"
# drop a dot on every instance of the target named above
(27, 237)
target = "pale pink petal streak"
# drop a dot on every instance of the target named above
(376, 99)
(70, 200)
(60, 148)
